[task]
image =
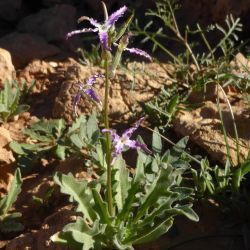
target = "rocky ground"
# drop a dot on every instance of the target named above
(56, 83)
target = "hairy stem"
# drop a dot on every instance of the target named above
(108, 141)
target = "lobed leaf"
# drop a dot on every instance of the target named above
(79, 192)
(15, 188)
(122, 184)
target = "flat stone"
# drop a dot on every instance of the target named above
(52, 24)
(25, 47)
(203, 126)
(7, 69)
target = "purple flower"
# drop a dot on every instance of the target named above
(122, 142)
(88, 90)
(139, 52)
(101, 28)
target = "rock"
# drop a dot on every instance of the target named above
(5, 137)
(37, 70)
(209, 93)
(6, 177)
(7, 70)
(203, 126)
(5, 154)
(9, 9)
(126, 90)
(52, 24)
(25, 47)
(207, 12)
(240, 63)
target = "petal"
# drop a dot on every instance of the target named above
(91, 20)
(119, 146)
(139, 52)
(131, 143)
(128, 133)
(114, 135)
(137, 145)
(103, 36)
(75, 32)
(142, 146)
(77, 99)
(92, 94)
(93, 79)
(115, 16)
(94, 22)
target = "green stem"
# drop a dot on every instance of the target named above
(182, 39)
(223, 127)
(234, 124)
(164, 49)
(108, 141)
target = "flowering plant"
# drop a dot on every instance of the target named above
(129, 208)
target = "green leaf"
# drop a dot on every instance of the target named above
(20, 109)
(13, 216)
(58, 127)
(156, 142)
(8, 226)
(15, 188)
(80, 121)
(101, 208)
(92, 126)
(153, 233)
(239, 174)
(187, 211)
(79, 192)
(3, 109)
(158, 189)
(123, 28)
(173, 104)
(122, 183)
(61, 152)
(78, 235)
(139, 171)
(77, 141)
(136, 187)
(23, 148)
(178, 150)
(37, 200)
(245, 167)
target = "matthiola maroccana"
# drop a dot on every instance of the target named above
(121, 207)
(102, 28)
(122, 142)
